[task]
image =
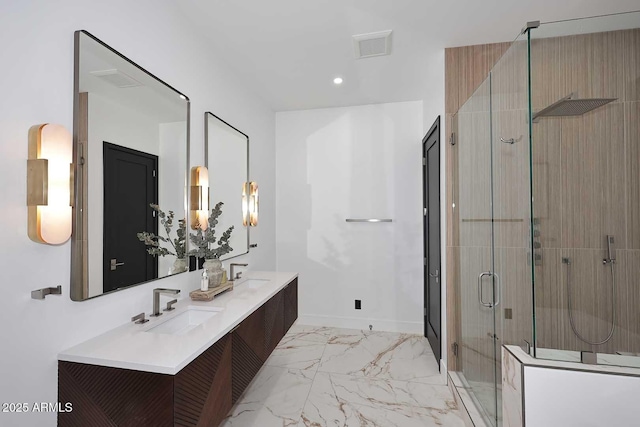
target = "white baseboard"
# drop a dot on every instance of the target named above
(359, 323)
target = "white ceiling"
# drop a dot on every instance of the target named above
(289, 51)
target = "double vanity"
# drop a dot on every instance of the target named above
(188, 364)
(186, 367)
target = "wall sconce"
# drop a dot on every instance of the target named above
(199, 211)
(250, 204)
(49, 184)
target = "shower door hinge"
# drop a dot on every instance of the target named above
(425, 261)
(424, 212)
(425, 312)
(531, 25)
(452, 139)
(154, 173)
(424, 162)
(454, 348)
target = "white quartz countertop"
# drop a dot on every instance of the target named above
(130, 346)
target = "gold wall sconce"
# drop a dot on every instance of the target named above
(199, 209)
(250, 204)
(49, 184)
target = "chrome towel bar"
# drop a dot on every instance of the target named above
(369, 220)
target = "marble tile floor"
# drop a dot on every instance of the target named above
(328, 377)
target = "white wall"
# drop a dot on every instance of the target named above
(172, 164)
(562, 398)
(37, 88)
(354, 162)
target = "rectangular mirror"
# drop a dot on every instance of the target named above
(227, 158)
(131, 151)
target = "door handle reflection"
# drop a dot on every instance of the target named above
(115, 264)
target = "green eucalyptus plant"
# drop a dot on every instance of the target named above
(153, 241)
(203, 240)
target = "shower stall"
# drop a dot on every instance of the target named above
(546, 203)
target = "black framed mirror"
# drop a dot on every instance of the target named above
(227, 159)
(131, 157)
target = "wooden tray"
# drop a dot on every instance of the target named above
(199, 295)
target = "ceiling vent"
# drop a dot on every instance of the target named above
(372, 44)
(116, 78)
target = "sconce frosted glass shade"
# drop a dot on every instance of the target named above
(49, 183)
(199, 209)
(250, 204)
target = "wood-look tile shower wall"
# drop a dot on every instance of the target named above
(587, 186)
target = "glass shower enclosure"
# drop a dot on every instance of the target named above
(493, 214)
(546, 199)
(585, 94)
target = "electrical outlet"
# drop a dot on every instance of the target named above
(358, 304)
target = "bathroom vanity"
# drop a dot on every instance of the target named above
(184, 368)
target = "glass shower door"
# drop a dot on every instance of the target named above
(478, 350)
(496, 254)
(511, 194)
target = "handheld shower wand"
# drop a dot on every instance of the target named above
(611, 260)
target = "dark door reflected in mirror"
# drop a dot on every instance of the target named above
(129, 179)
(131, 153)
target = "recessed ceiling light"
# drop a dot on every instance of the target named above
(337, 81)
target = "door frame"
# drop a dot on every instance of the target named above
(433, 131)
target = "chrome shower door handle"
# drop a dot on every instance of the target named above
(498, 289)
(480, 276)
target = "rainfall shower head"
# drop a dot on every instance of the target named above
(571, 107)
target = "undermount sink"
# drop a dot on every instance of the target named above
(253, 283)
(185, 321)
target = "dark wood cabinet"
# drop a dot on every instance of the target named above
(248, 351)
(258, 335)
(273, 322)
(201, 390)
(201, 394)
(290, 304)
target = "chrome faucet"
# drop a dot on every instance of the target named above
(156, 299)
(237, 276)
